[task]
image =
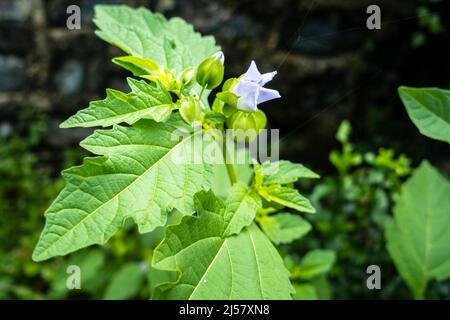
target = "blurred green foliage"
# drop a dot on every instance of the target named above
(355, 206)
(309, 274)
(429, 22)
(118, 270)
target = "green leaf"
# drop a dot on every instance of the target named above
(150, 101)
(419, 239)
(171, 43)
(343, 132)
(125, 283)
(285, 172)
(228, 98)
(286, 196)
(157, 279)
(242, 205)
(305, 292)
(215, 118)
(211, 266)
(138, 66)
(429, 109)
(315, 263)
(284, 227)
(142, 173)
(323, 288)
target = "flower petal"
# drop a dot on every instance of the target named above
(244, 87)
(266, 77)
(252, 73)
(248, 102)
(267, 94)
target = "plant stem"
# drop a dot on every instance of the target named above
(231, 173)
(201, 93)
(229, 166)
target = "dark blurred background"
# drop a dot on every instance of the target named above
(330, 68)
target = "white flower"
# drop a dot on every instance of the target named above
(250, 91)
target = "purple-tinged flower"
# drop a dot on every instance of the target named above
(250, 91)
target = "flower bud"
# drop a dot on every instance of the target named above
(190, 110)
(210, 71)
(188, 76)
(247, 124)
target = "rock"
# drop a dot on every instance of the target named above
(87, 10)
(56, 12)
(69, 78)
(57, 16)
(15, 10)
(213, 18)
(325, 35)
(6, 129)
(119, 83)
(15, 36)
(62, 137)
(12, 73)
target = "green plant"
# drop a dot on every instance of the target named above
(309, 274)
(429, 109)
(153, 163)
(418, 239)
(429, 23)
(27, 187)
(355, 205)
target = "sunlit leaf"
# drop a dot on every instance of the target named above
(142, 172)
(429, 109)
(419, 239)
(150, 101)
(213, 266)
(284, 227)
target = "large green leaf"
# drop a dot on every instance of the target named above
(241, 208)
(284, 227)
(429, 109)
(143, 172)
(171, 43)
(137, 65)
(150, 101)
(419, 238)
(214, 266)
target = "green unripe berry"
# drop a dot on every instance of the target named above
(247, 124)
(188, 76)
(190, 110)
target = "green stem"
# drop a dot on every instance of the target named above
(229, 166)
(201, 93)
(231, 173)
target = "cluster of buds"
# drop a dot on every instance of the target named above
(239, 99)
